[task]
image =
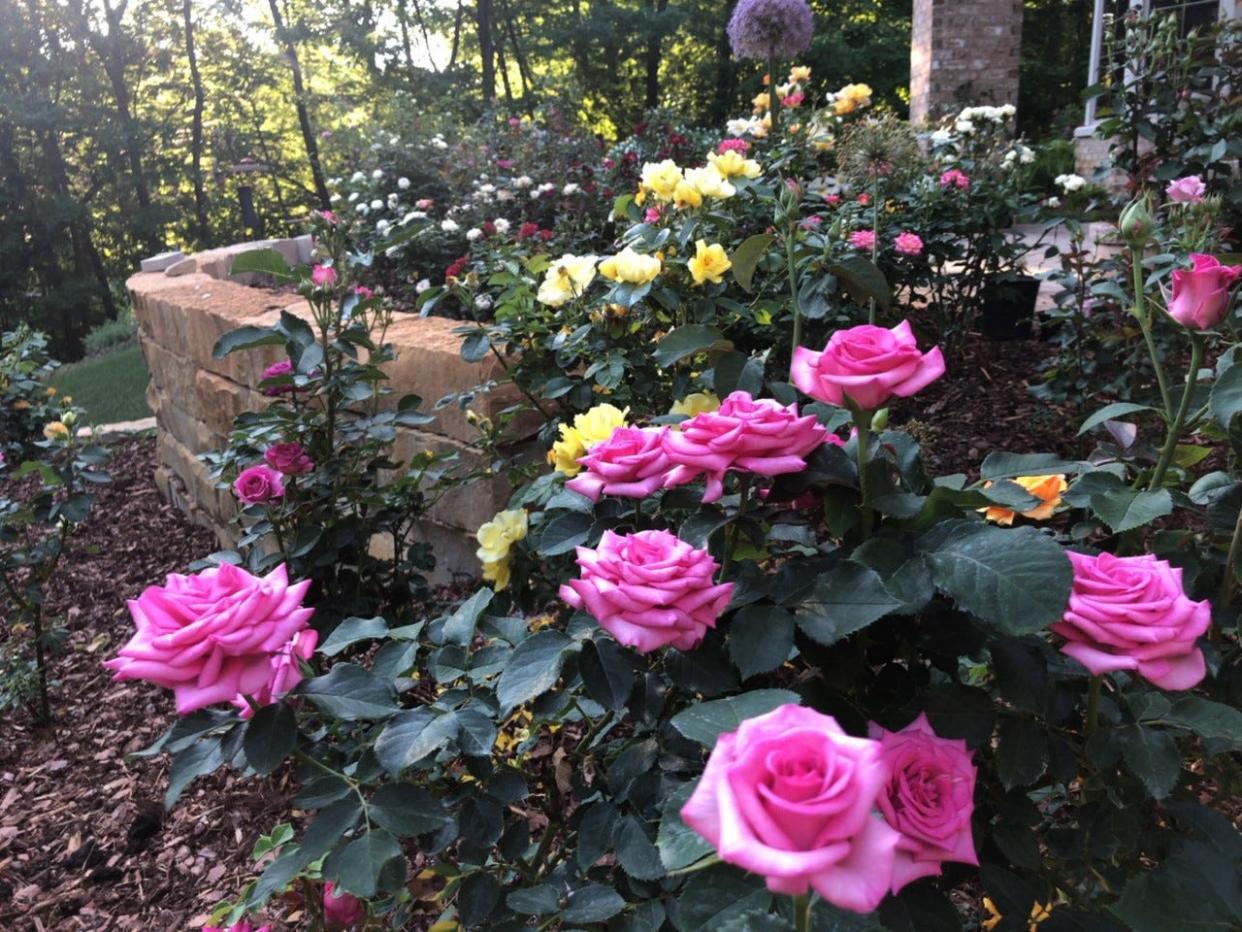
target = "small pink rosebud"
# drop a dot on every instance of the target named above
(323, 276)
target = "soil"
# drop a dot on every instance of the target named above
(84, 839)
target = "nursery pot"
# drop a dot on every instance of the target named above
(1009, 308)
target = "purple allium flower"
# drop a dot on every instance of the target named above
(765, 29)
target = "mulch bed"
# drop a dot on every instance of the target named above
(84, 840)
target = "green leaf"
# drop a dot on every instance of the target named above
(407, 810)
(1021, 752)
(564, 532)
(606, 672)
(247, 337)
(459, 626)
(200, 758)
(1196, 889)
(542, 900)
(265, 262)
(1125, 509)
(1151, 754)
(961, 712)
(864, 281)
(1226, 398)
(477, 898)
(746, 257)
(688, 340)
(351, 693)
(758, 921)
(368, 864)
(718, 895)
(847, 598)
(270, 737)
(637, 855)
(476, 732)
(1012, 465)
(476, 346)
(679, 845)
(592, 903)
(1016, 580)
(533, 669)
(706, 721)
(1111, 413)
(351, 631)
(760, 639)
(412, 735)
(1212, 721)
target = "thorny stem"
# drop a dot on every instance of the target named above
(1229, 581)
(791, 270)
(731, 532)
(353, 785)
(1144, 319)
(1179, 419)
(802, 913)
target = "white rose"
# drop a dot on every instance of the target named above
(473, 233)
(965, 127)
(523, 181)
(357, 177)
(501, 225)
(377, 174)
(393, 201)
(382, 227)
(377, 204)
(941, 137)
(363, 209)
(403, 183)
(334, 198)
(483, 302)
(423, 285)
(353, 196)
(1027, 155)
(449, 226)
(570, 189)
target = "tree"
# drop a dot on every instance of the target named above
(203, 229)
(299, 98)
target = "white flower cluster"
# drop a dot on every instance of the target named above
(746, 126)
(1070, 183)
(1023, 155)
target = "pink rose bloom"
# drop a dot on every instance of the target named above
(1188, 190)
(864, 199)
(342, 909)
(652, 215)
(286, 672)
(867, 365)
(863, 239)
(240, 926)
(363, 292)
(257, 485)
(288, 458)
(793, 100)
(1201, 293)
(424, 203)
(733, 145)
(211, 637)
(789, 795)
(329, 217)
(629, 464)
(908, 244)
(929, 798)
(1131, 613)
(322, 276)
(649, 590)
(275, 371)
(756, 435)
(832, 199)
(811, 223)
(955, 178)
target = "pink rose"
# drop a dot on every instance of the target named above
(278, 370)
(733, 145)
(864, 200)
(649, 590)
(867, 365)
(288, 458)
(363, 292)
(832, 199)
(652, 215)
(1201, 293)
(342, 909)
(811, 223)
(242, 925)
(322, 276)
(1188, 190)
(908, 244)
(1131, 613)
(929, 798)
(328, 217)
(755, 435)
(286, 672)
(955, 178)
(257, 485)
(629, 464)
(863, 239)
(793, 100)
(789, 795)
(211, 637)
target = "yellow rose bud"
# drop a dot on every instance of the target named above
(55, 430)
(696, 403)
(497, 537)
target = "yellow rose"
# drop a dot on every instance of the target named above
(55, 430)
(51, 392)
(499, 573)
(662, 178)
(799, 74)
(710, 183)
(852, 97)
(761, 102)
(784, 90)
(567, 278)
(686, 195)
(497, 537)
(21, 404)
(732, 163)
(696, 403)
(1039, 913)
(587, 430)
(1047, 489)
(709, 263)
(629, 266)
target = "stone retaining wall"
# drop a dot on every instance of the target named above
(185, 308)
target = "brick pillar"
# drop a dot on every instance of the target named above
(963, 52)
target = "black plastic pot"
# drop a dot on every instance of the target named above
(1009, 308)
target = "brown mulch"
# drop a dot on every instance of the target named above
(84, 840)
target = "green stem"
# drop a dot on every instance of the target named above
(1179, 419)
(862, 422)
(875, 241)
(1144, 319)
(1229, 581)
(731, 532)
(774, 103)
(353, 785)
(791, 270)
(802, 913)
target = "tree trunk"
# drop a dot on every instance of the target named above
(403, 20)
(518, 55)
(299, 94)
(202, 231)
(726, 79)
(483, 20)
(422, 25)
(504, 73)
(457, 18)
(653, 55)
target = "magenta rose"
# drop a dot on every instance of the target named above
(257, 485)
(629, 464)
(863, 239)
(323, 276)
(955, 178)
(278, 370)
(286, 672)
(342, 909)
(211, 637)
(929, 798)
(908, 244)
(1201, 293)
(867, 366)
(288, 458)
(1131, 613)
(789, 795)
(1188, 190)
(649, 590)
(755, 435)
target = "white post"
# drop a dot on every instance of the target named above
(1093, 65)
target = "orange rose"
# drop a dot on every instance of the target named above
(1047, 489)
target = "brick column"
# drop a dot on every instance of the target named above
(963, 52)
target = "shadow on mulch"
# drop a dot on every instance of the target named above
(84, 840)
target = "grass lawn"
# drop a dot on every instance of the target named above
(111, 387)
